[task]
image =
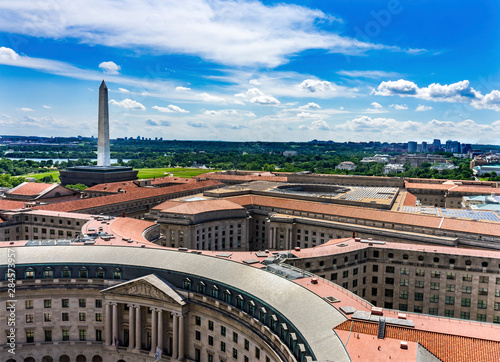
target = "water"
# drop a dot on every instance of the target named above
(113, 160)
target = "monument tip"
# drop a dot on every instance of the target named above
(103, 85)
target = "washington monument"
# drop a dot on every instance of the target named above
(103, 158)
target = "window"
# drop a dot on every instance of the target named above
(28, 304)
(405, 271)
(98, 303)
(98, 335)
(47, 317)
(481, 317)
(434, 298)
(435, 286)
(464, 315)
(374, 291)
(483, 291)
(420, 272)
(65, 334)
(345, 274)
(450, 313)
(484, 279)
(435, 274)
(48, 273)
(389, 269)
(83, 273)
(29, 318)
(374, 280)
(223, 346)
(419, 283)
(419, 296)
(99, 273)
(403, 307)
(450, 287)
(82, 316)
(482, 304)
(333, 276)
(98, 317)
(197, 335)
(451, 276)
(375, 253)
(197, 321)
(389, 281)
(375, 268)
(30, 336)
(211, 325)
(223, 330)
(210, 340)
(449, 300)
(117, 274)
(82, 303)
(235, 337)
(247, 344)
(257, 353)
(465, 302)
(235, 353)
(418, 309)
(355, 271)
(497, 306)
(48, 335)
(403, 294)
(29, 273)
(433, 311)
(66, 272)
(403, 282)
(65, 317)
(466, 290)
(467, 277)
(47, 303)
(83, 334)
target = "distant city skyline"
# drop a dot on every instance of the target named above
(394, 71)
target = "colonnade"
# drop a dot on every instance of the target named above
(274, 240)
(137, 326)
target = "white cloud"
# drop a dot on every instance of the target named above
(316, 86)
(315, 125)
(8, 55)
(129, 104)
(456, 92)
(182, 89)
(163, 123)
(229, 113)
(255, 82)
(25, 109)
(373, 74)
(228, 32)
(310, 105)
(376, 105)
(123, 90)
(399, 107)
(110, 67)
(422, 108)
(197, 124)
(170, 109)
(256, 96)
(205, 97)
(308, 115)
(47, 107)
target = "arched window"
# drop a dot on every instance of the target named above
(283, 331)
(83, 273)
(201, 288)
(273, 322)
(81, 358)
(66, 272)
(64, 358)
(117, 274)
(239, 302)
(48, 273)
(47, 359)
(97, 359)
(262, 315)
(226, 297)
(405, 256)
(251, 308)
(29, 273)
(187, 284)
(99, 273)
(214, 292)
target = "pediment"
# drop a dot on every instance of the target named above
(148, 287)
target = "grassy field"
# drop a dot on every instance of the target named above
(143, 173)
(176, 172)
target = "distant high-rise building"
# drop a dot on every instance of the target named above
(412, 146)
(424, 146)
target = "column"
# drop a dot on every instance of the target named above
(271, 237)
(175, 339)
(160, 329)
(107, 327)
(115, 322)
(131, 326)
(154, 328)
(138, 332)
(181, 337)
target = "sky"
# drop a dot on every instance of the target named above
(364, 70)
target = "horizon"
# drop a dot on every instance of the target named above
(252, 71)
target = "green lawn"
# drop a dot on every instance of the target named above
(143, 173)
(38, 176)
(176, 172)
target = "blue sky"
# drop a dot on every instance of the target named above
(343, 70)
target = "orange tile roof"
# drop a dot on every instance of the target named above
(245, 178)
(446, 347)
(410, 200)
(484, 190)
(423, 186)
(30, 189)
(11, 205)
(370, 214)
(195, 207)
(142, 193)
(114, 186)
(166, 179)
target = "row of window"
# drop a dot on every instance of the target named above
(66, 272)
(82, 333)
(47, 317)
(47, 303)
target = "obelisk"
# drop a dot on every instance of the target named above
(103, 158)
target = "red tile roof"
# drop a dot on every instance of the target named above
(410, 200)
(11, 205)
(195, 207)
(114, 187)
(142, 193)
(30, 189)
(244, 178)
(446, 347)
